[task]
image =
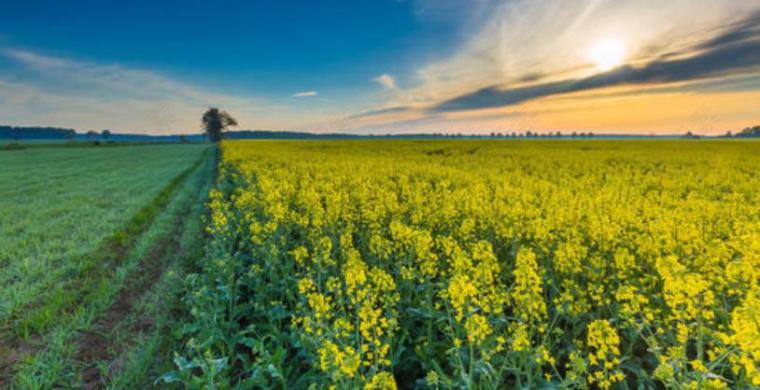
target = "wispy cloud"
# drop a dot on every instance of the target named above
(524, 38)
(108, 79)
(43, 89)
(736, 50)
(522, 51)
(305, 94)
(386, 81)
(381, 111)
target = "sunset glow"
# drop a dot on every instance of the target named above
(607, 54)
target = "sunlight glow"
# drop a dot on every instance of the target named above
(607, 54)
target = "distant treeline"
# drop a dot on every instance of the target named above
(296, 135)
(56, 133)
(266, 134)
(749, 132)
(18, 133)
(746, 133)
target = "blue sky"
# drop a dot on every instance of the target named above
(379, 65)
(270, 47)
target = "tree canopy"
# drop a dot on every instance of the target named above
(215, 121)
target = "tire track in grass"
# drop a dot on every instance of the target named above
(39, 256)
(150, 354)
(92, 280)
(95, 347)
(92, 276)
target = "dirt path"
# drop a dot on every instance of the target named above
(11, 352)
(96, 345)
(99, 265)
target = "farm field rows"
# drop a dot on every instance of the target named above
(476, 264)
(382, 264)
(86, 236)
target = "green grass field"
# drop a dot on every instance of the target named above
(76, 226)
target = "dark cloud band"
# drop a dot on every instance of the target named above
(734, 51)
(391, 110)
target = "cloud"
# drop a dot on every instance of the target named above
(74, 76)
(382, 111)
(386, 81)
(739, 32)
(734, 51)
(524, 41)
(305, 94)
(531, 77)
(80, 94)
(688, 54)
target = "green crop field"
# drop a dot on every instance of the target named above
(381, 264)
(76, 226)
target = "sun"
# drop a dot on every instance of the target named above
(607, 54)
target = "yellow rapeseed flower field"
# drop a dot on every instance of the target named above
(481, 264)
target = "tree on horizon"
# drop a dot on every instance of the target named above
(215, 121)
